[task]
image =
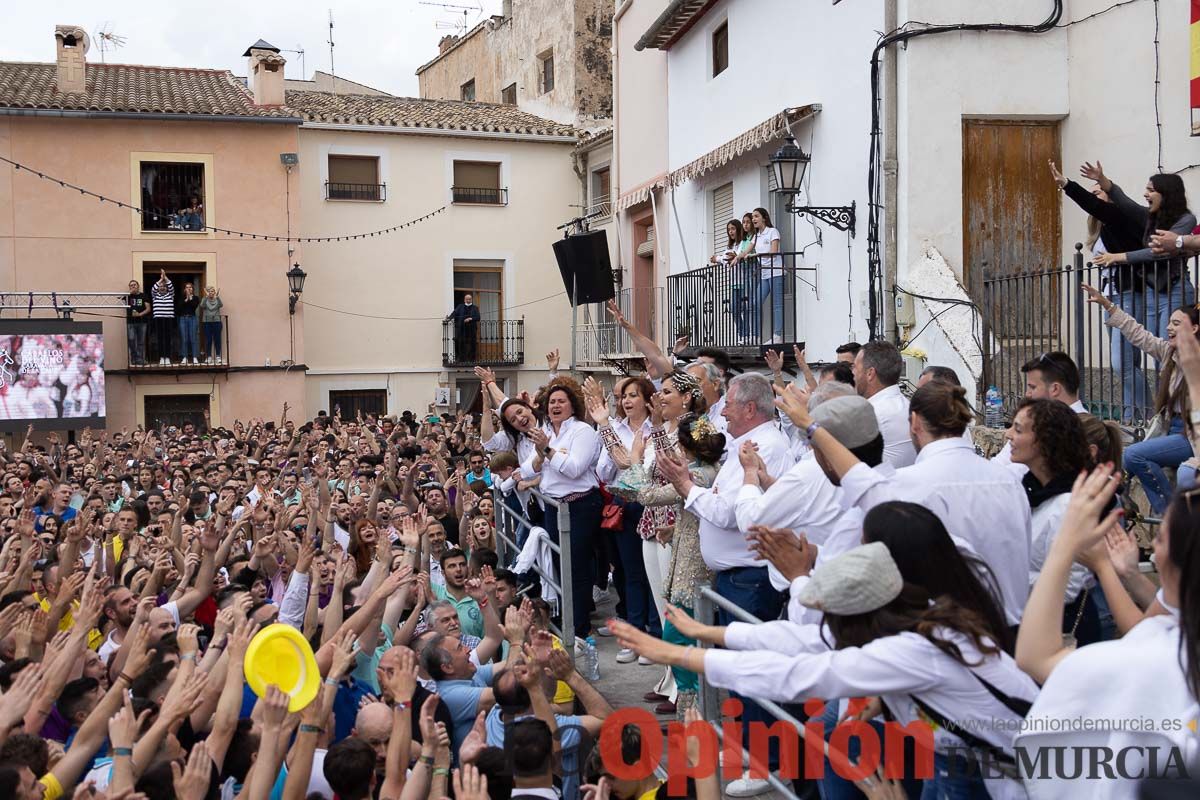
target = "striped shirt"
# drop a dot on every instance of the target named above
(163, 299)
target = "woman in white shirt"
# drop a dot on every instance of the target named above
(770, 276)
(926, 659)
(566, 449)
(1048, 438)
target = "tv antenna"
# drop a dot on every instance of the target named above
(458, 25)
(330, 41)
(299, 51)
(108, 40)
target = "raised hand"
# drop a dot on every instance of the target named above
(793, 401)
(552, 359)
(774, 360)
(402, 681)
(1082, 525)
(1095, 172)
(191, 783)
(1058, 177)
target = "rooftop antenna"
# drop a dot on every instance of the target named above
(108, 40)
(330, 40)
(460, 26)
(300, 51)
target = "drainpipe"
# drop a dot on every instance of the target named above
(890, 177)
(618, 216)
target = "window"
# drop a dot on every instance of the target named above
(180, 273)
(354, 178)
(172, 196)
(720, 49)
(601, 193)
(722, 212)
(508, 95)
(163, 410)
(478, 182)
(468, 91)
(547, 71)
(351, 401)
(483, 280)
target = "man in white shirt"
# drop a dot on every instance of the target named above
(740, 577)
(877, 370)
(1050, 376)
(712, 384)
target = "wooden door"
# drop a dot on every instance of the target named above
(1011, 215)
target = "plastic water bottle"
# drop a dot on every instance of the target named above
(993, 408)
(592, 659)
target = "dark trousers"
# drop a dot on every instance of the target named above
(164, 327)
(640, 610)
(750, 589)
(466, 344)
(585, 524)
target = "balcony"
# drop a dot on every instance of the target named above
(369, 192)
(720, 306)
(600, 209)
(155, 350)
(496, 343)
(601, 342)
(480, 195)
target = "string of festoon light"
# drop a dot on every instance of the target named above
(64, 184)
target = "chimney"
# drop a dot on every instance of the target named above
(72, 43)
(445, 43)
(506, 9)
(266, 73)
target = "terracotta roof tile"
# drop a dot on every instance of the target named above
(413, 112)
(129, 88)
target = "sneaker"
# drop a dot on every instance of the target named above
(599, 595)
(603, 631)
(626, 656)
(220, 360)
(645, 662)
(746, 786)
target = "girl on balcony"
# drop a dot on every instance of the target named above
(770, 276)
(739, 242)
(210, 317)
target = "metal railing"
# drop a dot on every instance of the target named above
(355, 191)
(493, 342)
(709, 697)
(168, 189)
(155, 349)
(600, 209)
(508, 535)
(480, 195)
(746, 305)
(1032, 313)
(602, 341)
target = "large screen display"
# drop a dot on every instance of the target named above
(51, 374)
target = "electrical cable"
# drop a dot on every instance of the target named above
(1157, 116)
(240, 234)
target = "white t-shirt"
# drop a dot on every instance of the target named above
(762, 244)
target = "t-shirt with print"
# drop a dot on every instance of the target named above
(135, 303)
(762, 244)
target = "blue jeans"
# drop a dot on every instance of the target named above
(585, 524)
(834, 786)
(742, 300)
(135, 333)
(1185, 477)
(212, 338)
(954, 778)
(750, 589)
(1145, 461)
(189, 347)
(769, 287)
(1152, 309)
(640, 611)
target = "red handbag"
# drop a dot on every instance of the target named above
(612, 515)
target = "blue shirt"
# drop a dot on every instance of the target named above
(461, 698)
(570, 735)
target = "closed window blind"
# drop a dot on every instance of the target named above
(722, 212)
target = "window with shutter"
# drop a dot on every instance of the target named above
(722, 212)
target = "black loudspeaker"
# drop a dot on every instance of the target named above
(583, 262)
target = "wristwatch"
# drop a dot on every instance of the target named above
(547, 451)
(1178, 242)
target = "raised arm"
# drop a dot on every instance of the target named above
(654, 355)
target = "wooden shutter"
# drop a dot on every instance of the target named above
(722, 212)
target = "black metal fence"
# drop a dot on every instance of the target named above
(480, 195)
(156, 348)
(491, 343)
(749, 304)
(1033, 313)
(172, 196)
(355, 191)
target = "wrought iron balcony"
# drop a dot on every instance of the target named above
(492, 343)
(480, 195)
(155, 350)
(741, 308)
(355, 191)
(602, 342)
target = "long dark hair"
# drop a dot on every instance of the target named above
(1164, 398)
(1173, 206)
(741, 234)
(927, 557)
(766, 215)
(1060, 438)
(707, 447)
(1183, 550)
(515, 435)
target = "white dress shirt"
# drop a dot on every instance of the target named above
(978, 501)
(714, 415)
(1004, 457)
(606, 468)
(891, 410)
(802, 500)
(1047, 519)
(722, 542)
(571, 468)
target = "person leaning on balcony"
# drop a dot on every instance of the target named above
(738, 243)
(189, 347)
(210, 318)
(770, 276)
(137, 308)
(162, 295)
(466, 318)
(1172, 405)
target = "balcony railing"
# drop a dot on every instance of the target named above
(749, 305)
(492, 343)
(155, 350)
(600, 209)
(601, 341)
(355, 191)
(480, 195)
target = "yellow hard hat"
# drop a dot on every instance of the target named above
(280, 655)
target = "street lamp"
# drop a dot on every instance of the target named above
(295, 277)
(789, 165)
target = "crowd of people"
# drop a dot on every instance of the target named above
(171, 323)
(992, 601)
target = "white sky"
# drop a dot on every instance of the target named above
(377, 42)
